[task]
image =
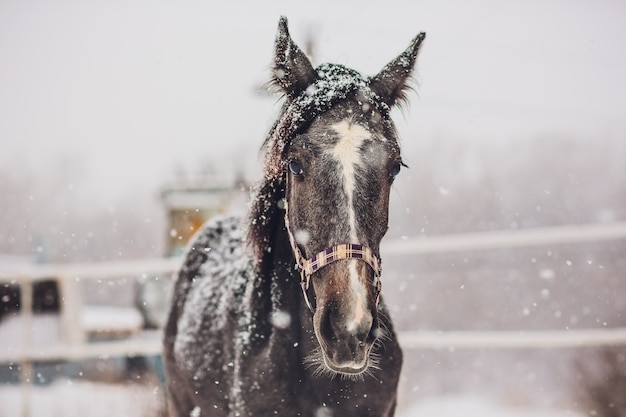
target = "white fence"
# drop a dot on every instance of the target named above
(73, 334)
(75, 346)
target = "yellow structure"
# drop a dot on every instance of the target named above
(190, 204)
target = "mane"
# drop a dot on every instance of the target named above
(335, 83)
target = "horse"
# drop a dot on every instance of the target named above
(279, 312)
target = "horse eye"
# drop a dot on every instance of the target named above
(395, 170)
(296, 168)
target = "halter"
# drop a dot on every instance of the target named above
(307, 267)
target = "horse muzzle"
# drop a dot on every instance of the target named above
(346, 334)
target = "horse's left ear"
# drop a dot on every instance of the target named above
(391, 82)
(292, 71)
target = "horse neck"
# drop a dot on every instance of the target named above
(285, 291)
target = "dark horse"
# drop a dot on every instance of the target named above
(248, 333)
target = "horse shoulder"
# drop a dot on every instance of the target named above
(212, 277)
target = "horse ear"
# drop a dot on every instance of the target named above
(292, 71)
(391, 82)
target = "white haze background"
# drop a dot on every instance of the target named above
(519, 116)
(120, 93)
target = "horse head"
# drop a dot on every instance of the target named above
(334, 151)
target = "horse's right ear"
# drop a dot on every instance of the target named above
(292, 71)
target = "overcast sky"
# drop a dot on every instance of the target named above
(120, 92)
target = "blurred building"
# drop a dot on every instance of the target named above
(189, 203)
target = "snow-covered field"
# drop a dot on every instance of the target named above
(86, 399)
(81, 399)
(458, 406)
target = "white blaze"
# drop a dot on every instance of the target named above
(347, 153)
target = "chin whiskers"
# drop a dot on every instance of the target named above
(373, 364)
(316, 363)
(354, 377)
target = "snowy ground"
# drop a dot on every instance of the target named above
(81, 399)
(458, 406)
(86, 399)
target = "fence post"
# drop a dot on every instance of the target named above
(71, 311)
(26, 364)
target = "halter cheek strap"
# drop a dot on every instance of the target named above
(306, 267)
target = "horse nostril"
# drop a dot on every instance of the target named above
(326, 325)
(373, 334)
(374, 330)
(334, 325)
(369, 333)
